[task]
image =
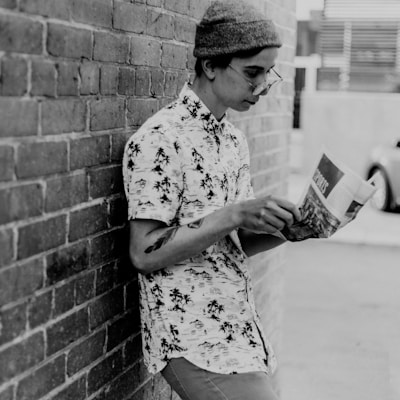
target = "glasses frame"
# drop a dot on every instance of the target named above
(264, 87)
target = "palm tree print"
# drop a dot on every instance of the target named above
(247, 331)
(158, 294)
(161, 160)
(227, 328)
(198, 159)
(214, 309)
(207, 184)
(179, 299)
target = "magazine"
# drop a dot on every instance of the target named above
(332, 199)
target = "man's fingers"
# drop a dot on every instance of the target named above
(287, 205)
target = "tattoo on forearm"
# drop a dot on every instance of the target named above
(162, 240)
(196, 224)
(170, 234)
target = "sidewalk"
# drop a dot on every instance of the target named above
(370, 227)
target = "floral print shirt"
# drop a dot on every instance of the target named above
(181, 165)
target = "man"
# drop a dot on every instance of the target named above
(194, 219)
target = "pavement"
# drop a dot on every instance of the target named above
(341, 325)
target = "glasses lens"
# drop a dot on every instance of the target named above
(272, 78)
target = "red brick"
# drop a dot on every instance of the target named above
(157, 83)
(43, 78)
(174, 56)
(6, 163)
(86, 352)
(42, 380)
(107, 114)
(129, 17)
(179, 6)
(14, 77)
(66, 331)
(20, 281)
(106, 307)
(104, 372)
(89, 151)
(90, 78)
(118, 141)
(105, 278)
(20, 34)
(75, 391)
(142, 82)
(110, 47)
(171, 84)
(154, 3)
(39, 309)
(118, 212)
(63, 116)
(67, 262)
(13, 322)
(63, 41)
(160, 24)
(197, 8)
(84, 288)
(145, 51)
(139, 110)
(6, 246)
(122, 329)
(105, 181)
(41, 236)
(21, 356)
(104, 248)
(21, 202)
(34, 159)
(108, 80)
(64, 298)
(8, 4)
(185, 30)
(67, 81)
(87, 221)
(133, 350)
(66, 191)
(48, 8)
(8, 393)
(18, 117)
(93, 12)
(123, 386)
(126, 81)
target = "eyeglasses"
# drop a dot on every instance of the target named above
(272, 78)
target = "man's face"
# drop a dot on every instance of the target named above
(234, 86)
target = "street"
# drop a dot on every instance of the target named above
(341, 330)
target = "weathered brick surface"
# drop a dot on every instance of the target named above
(18, 117)
(64, 41)
(14, 77)
(21, 356)
(43, 380)
(77, 78)
(20, 281)
(34, 159)
(21, 35)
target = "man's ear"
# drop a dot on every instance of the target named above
(208, 69)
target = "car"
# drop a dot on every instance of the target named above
(384, 166)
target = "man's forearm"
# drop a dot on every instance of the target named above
(254, 243)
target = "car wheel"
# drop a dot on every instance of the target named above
(382, 199)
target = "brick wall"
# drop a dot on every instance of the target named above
(77, 78)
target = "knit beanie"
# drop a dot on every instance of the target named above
(232, 26)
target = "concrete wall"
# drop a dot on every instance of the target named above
(348, 124)
(77, 78)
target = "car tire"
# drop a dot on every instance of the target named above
(382, 199)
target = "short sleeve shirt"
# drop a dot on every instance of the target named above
(180, 166)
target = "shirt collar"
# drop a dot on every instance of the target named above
(198, 110)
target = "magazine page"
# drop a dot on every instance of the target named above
(332, 199)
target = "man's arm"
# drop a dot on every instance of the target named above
(254, 243)
(153, 245)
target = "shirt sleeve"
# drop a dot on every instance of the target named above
(244, 188)
(153, 178)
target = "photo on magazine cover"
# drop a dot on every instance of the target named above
(317, 221)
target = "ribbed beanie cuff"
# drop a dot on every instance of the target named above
(232, 26)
